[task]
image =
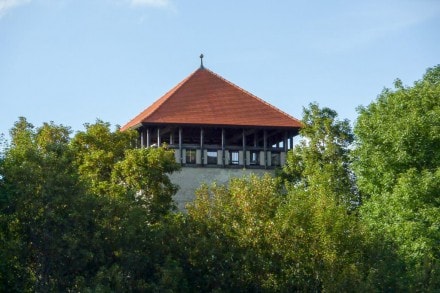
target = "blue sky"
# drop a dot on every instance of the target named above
(73, 61)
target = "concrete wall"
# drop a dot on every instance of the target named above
(189, 179)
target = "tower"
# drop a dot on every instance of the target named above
(216, 129)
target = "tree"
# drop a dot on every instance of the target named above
(326, 245)
(397, 132)
(97, 151)
(397, 163)
(143, 174)
(72, 222)
(249, 235)
(227, 236)
(138, 194)
(48, 214)
(319, 244)
(322, 158)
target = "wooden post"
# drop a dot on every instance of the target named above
(265, 148)
(285, 141)
(201, 146)
(141, 133)
(180, 145)
(244, 148)
(158, 137)
(148, 138)
(223, 147)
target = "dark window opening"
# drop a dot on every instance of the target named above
(190, 156)
(212, 157)
(275, 159)
(255, 158)
(234, 157)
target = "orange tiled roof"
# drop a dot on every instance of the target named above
(205, 98)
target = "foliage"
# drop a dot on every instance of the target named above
(319, 244)
(63, 224)
(143, 175)
(397, 164)
(321, 159)
(97, 150)
(400, 131)
(249, 236)
(41, 201)
(229, 229)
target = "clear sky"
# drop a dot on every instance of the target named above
(73, 61)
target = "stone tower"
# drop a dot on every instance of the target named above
(217, 131)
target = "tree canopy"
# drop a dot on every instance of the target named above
(397, 163)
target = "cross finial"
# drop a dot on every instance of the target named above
(201, 60)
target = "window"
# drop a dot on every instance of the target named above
(275, 159)
(190, 156)
(212, 157)
(255, 158)
(234, 157)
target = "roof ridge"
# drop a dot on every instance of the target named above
(254, 96)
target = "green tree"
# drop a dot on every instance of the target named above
(319, 244)
(97, 150)
(249, 235)
(397, 132)
(69, 221)
(227, 235)
(326, 245)
(143, 175)
(47, 211)
(397, 163)
(322, 158)
(138, 191)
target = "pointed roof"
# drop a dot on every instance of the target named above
(205, 98)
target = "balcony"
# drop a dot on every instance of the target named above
(221, 147)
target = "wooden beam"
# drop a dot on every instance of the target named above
(238, 135)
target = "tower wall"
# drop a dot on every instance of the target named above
(190, 179)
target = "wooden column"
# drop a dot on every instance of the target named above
(172, 137)
(201, 145)
(291, 143)
(244, 148)
(158, 137)
(180, 145)
(223, 147)
(148, 138)
(285, 141)
(141, 134)
(265, 148)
